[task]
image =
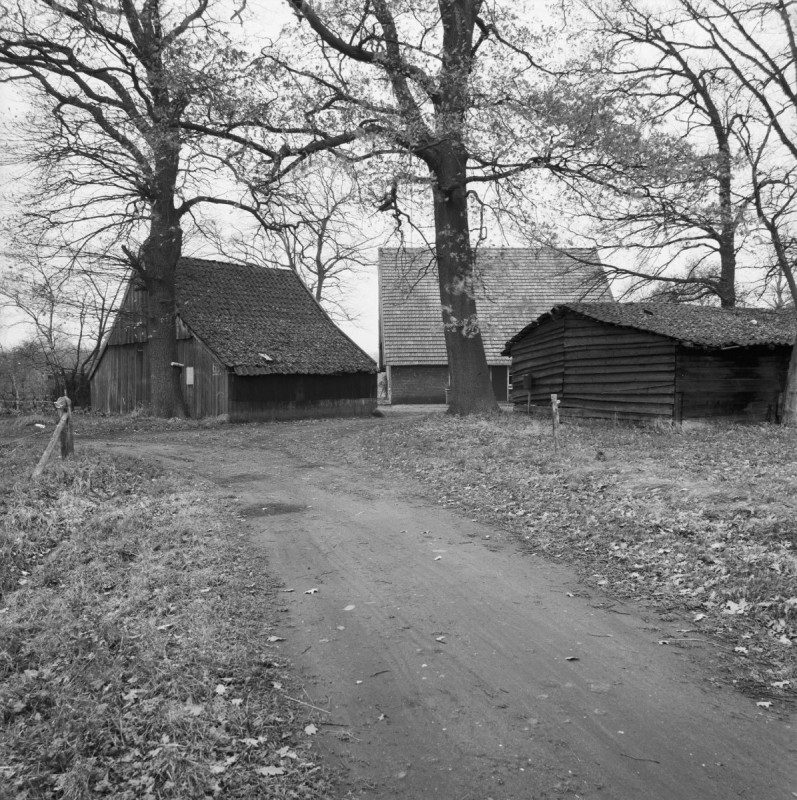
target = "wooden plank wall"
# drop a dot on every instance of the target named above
(210, 394)
(263, 397)
(130, 324)
(597, 370)
(740, 383)
(541, 355)
(611, 371)
(121, 382)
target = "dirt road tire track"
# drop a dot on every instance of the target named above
(450, 666)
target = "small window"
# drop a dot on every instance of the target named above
(189, 376)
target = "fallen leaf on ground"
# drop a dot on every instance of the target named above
(735, 608)
(349, 608)
(276, 639)
(270, 771)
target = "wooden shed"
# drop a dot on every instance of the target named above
(643, 361)
(252, 343)
(512, 285)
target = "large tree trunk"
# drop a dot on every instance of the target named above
(159, 256)
(789, 414)
(471, 390)
(726, 288)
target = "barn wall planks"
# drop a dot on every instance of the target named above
(120, 383)
(539, 355)
(594, 369)
(597, 370)
(210, 393)
(741, 383)
(602, 370)
(616, 372)
(265, 397)
(130, 325)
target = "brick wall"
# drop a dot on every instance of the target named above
(418, 384)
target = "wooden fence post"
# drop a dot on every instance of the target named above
(63, 432)
(555, 414)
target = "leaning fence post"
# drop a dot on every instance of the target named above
(63, 432)
(64, 406)
(555, 415)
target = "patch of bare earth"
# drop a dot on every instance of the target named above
(701, 522)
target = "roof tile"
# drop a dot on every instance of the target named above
(705, 326)
(243, 312)
(513, 285)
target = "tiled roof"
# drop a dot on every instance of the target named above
(262, 321)
(513, 286)
(703, 326)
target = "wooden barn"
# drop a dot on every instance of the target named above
(642, 361)
(513, 285)
(252, 343)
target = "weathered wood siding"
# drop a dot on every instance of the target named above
(267, 397)
(611, 371)
(539, 358)
(120, 384)
(739, 383)
(130, 324)
(597, 370)
(209, 396)
(601, 370)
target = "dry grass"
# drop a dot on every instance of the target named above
(134, 654)
(701, 522)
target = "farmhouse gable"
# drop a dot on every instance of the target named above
(252, 343)
(512, 285)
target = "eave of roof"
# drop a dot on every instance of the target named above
(697, 326)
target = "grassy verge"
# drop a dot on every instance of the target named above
(134, 643)
(702, 522)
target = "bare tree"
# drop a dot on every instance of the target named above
(127, 145)
(68, 304)
(323, 229)
(23, 376)
(665, 178)
(757, 44)
(442, 87)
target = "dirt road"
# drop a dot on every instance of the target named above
(449, 666)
